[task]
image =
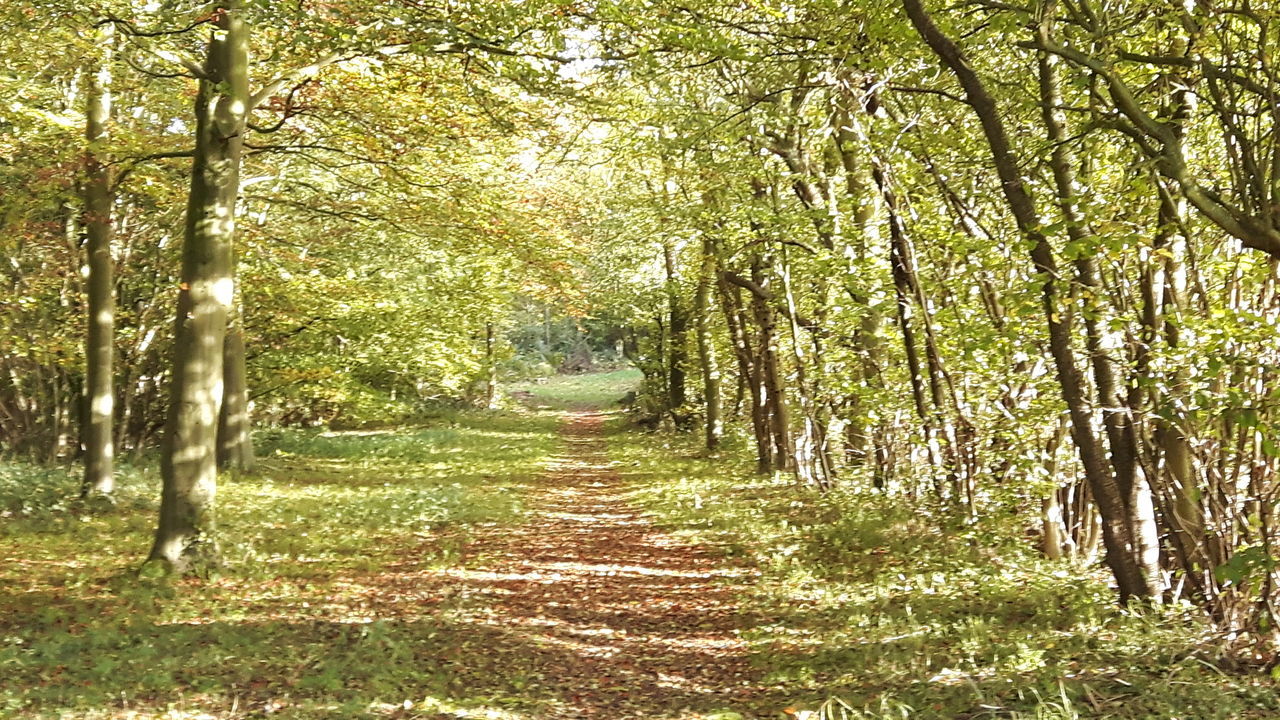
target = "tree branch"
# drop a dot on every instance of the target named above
(134, 162)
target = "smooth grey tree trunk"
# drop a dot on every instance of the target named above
(185, 539)
(865, 239)
(98, 432)
(235, 425)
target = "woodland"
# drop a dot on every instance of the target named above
(718, 359)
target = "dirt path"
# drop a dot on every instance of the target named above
(610, 617)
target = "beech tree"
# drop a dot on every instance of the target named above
(851, 182)
(99, 197)
(186, 536)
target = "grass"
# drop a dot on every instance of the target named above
(331, 604)
(576, 392)
(323, 609)
(868, 611)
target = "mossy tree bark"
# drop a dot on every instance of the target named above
(185, 539)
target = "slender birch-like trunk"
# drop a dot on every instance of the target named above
(1123, 552)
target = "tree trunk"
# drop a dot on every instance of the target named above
(811, 464)
(1122, 549)
(98, 431)
(1055, 541)
(235, 425)
(775, 399)
(749, 369)
(848, 138)
(714, 427)
(1164, 292)
(546, 329)
(1117, 415)
(185, 539)
(944, 443)
(678, 328)
(1172, 426)
(904, 293)
(491, 362)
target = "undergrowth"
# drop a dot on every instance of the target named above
(867, 609)
(35, 493)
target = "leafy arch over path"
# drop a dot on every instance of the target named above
(801, 222)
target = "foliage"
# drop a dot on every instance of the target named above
(996, 287)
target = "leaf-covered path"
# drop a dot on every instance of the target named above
(622, 619)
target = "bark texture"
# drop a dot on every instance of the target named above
(185, 539)
(235, 425)
(98, 432)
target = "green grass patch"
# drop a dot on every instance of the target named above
(867, 610)
(578, 392)
(333, 602)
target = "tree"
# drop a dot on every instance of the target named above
(99, 197)
(1129, 559)
(186, 536)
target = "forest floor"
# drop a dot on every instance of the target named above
(599, 612)
(548, 562)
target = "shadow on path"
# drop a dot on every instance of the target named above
(645, 623)
(586, 610)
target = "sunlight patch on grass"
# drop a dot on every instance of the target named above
(592, 391)
(437, 705)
